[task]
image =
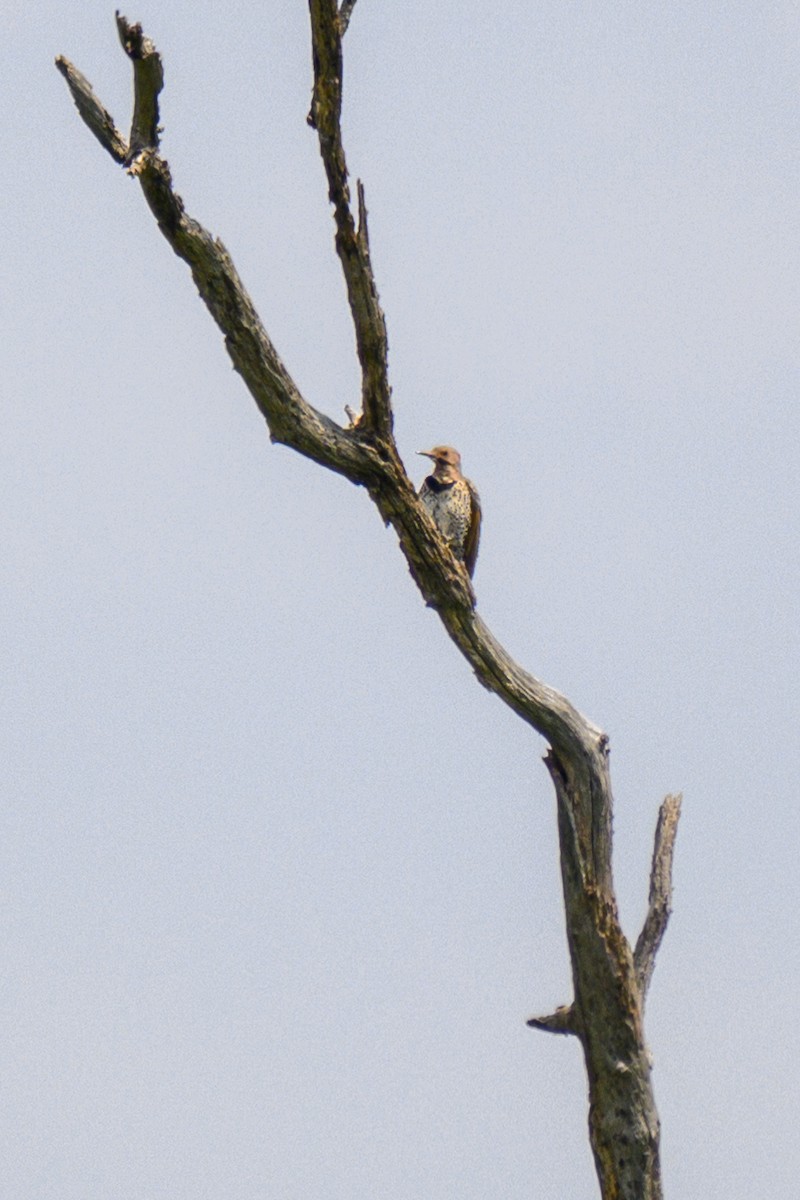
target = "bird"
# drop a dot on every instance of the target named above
(453, 503)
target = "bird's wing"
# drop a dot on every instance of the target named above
(474, 531)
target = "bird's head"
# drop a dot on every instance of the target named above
(447, 462)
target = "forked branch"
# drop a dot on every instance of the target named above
(291, 419)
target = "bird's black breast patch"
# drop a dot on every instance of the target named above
(435, 486)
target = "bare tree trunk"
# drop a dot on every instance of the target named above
(609, 979)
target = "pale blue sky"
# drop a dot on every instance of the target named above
(278, 879)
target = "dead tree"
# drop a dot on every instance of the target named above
(610, 979)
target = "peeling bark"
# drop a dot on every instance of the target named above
(610, 981)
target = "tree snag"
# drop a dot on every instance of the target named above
(610, 980)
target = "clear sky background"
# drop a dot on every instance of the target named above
(278, 879)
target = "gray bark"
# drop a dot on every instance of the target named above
(610, 981)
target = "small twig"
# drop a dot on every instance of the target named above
(95, 116)
(660, 902)
(345, 13)
(363, 228)
(560, 1021)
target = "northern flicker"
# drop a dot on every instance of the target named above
(453, 503)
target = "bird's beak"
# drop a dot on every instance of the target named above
(426, 454)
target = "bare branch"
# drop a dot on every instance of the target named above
(660, 903)
(290, 418)
(148, 80)
(560, 1021)
(345, 13)
(352, 244)
(97, 118)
